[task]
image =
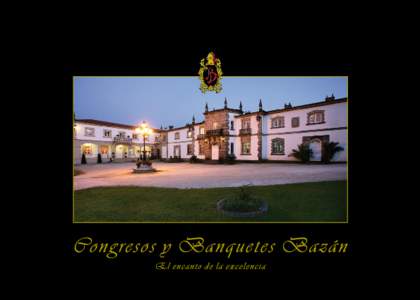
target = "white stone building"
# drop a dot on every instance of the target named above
(114, 141)
(250, 136)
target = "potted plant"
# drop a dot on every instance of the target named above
(83, 159)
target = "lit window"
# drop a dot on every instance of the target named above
(201, 130)
(246, 148)
(189, 134)
(215, 125)
(104, 149)
(87, 149)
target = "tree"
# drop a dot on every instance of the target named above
(329, 150)
(303, 153)
(83, 159)
(99, 158)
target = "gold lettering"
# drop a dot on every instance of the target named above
(192, 244)
(295, 244)
(83, 242)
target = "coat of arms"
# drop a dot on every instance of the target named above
(210, 74)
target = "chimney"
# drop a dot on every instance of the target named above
(171, 127)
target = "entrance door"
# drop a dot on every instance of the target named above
(316, 147)
(177, 151)
(215, 152)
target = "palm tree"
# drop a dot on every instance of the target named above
(303, 153)
(329, 150)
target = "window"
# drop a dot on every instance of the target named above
(316, 117)
(201, 130)
(200, 149)
(246, 148)
(246, 123)
(135, 136)
(232, 125)
(177, 135)
(107, 133)
(89, 131)
(121, 134)
(189, 149)
(277, 122)
(232, 149)
(104, 149)
(295, 122)
(277, 146)
(156, 139)
(215, 125)
(87, 149)
(189, 134)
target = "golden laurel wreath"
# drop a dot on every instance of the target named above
(204, 87)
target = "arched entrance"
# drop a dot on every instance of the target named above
(316, 146)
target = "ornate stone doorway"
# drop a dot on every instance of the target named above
(316, 146)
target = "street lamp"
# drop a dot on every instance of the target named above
(145, 131)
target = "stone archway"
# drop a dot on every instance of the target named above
(316, 146)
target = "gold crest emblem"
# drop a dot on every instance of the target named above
(210, 74)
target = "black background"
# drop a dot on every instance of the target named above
(182, 58)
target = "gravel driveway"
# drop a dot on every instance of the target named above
(186, 175)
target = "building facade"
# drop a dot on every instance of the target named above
(113, 141)
(250, 136)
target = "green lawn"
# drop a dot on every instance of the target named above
(303, 202)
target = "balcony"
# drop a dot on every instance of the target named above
(214, 132)
(123, 140)
(245, 131)
(201, 136)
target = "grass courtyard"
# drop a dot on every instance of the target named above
(299, 202)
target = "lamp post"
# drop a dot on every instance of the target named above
(145, 131)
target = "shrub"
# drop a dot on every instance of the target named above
(83, 159)
(303, 153)
(329, 150)
(193, 159)
(244, 201)
(230, 159)
(99, 158)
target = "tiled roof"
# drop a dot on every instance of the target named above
(304, 106)
(109, 124)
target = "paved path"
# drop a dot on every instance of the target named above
(186, 175)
